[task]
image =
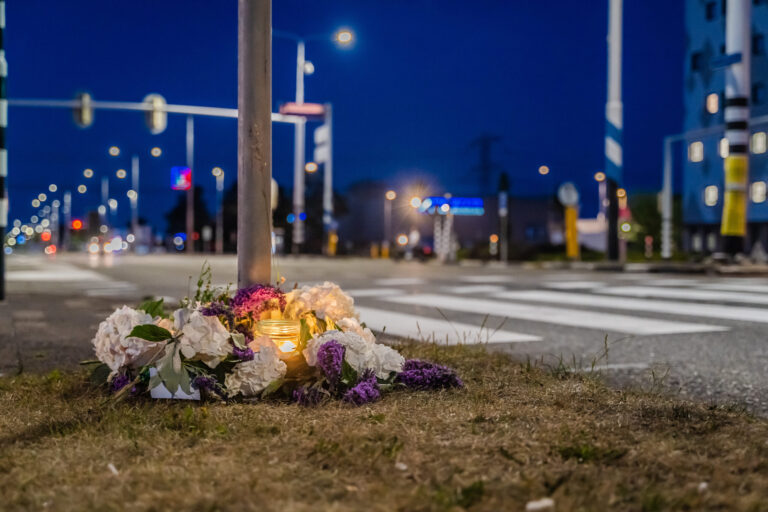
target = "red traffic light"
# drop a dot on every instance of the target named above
(77, 224)
(45, 236)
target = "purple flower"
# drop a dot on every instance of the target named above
(307, 397)
(245, 331)
(243, 354)
(256, 299)
(207, 383)
(218, 308)
(365, 391)
(418, 374)
(119, 382)
(330, 358)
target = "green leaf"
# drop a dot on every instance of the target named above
(150, 332)
(185, 382)
(152, 307)
(239, 340)
(99, 374)
(348, 374)
(304, 336)
(272, 387)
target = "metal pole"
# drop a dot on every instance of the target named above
(328, 181)
(387, 224)
(55, 224)
(299, 156)
(135, 200)
(67, 218)
(104, 199)
(3, 150)
(191, 191)
(220, 213)
(613, 125)
(666, 202)
(738, 38)
(254, 148)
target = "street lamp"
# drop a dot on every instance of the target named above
(543, 170)
(311, 167)
(303, 67)
(389, 196)
(600, 179)
(218, 173)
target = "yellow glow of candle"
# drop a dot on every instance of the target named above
(284, 333)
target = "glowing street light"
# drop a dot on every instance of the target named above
(621, 193)
(156, 152)
(88, 173)
(344, 37)
(114, 151)
(52, 188)
(543, 170)
(42, 197)
(121, 174)
(390, 195)
(599, 176)
(415, 201)
(82, 189)
(310, 167)
(217, 171)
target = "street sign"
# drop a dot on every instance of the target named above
(181, 178)
(567, 194)
(453, 205)
(303, 109)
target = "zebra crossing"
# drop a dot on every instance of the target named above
(54, 276)
(525, 311)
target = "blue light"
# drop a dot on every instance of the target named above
(290, 218)
(8, 250)
(183, 236)
(21, 240)
(302, 216)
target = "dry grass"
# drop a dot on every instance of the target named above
(515, 434)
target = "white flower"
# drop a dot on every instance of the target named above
(352, 324)
(252, 377)
(203, 337)
(360, 354)
(326, 300)
(112, 345)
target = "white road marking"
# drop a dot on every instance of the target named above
(400, 281)
(55, 273)
(438, 330)
(478, 288)
(671, 282)
(686, 294)
(573, 317)
(574, 285)
(754, 288)
(487, 279)
(374, 292)
(738, 313)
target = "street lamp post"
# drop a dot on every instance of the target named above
(389, 197)
(134, 198)
(218, 173)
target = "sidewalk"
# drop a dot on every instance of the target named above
(39, 333)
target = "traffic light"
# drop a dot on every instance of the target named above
(83, 113)
(156, 117)
(77, 224)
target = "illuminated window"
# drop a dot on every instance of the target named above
(758, 191)
(759, 144)
(713, 103)
(710, 195)
(696, 151)
(723, 147)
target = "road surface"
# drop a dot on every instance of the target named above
(702, 336)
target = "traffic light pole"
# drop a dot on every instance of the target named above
(3, 150)
(613, 127)
(191, 190)
(254, 142)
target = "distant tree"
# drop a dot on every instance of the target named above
(177, 216)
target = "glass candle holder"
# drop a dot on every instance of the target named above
(284, 333)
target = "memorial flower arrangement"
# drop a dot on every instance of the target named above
(307, 345)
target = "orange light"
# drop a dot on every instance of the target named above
(45, 236)
(51, 249)
(494, 239)
(77, 224)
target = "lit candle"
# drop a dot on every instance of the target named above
(284, 333)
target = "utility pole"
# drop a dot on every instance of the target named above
(135, 200)
(738, 36)
(254, 142)
(503, 217)
(613, 127)
(191, 190)
(328, 224)
(3, 150)
(299, 156)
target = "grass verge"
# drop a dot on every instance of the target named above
(515, 434)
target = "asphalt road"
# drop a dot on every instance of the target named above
(701, 336)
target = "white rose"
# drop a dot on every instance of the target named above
(204, 338)
(112, 344)
(252, 377)
(385, 360)
(326, 300)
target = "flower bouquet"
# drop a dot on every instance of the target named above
(307, 345)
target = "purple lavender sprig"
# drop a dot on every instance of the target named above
(330, 359)
(424, 375)
(307, 397)
(366, 390)
(243, 354)
(119, 382)
(218, 308)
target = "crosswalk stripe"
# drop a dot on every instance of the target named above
(487, 279)
(400, 281)
(553, 315)
(478, 288)
(574, 285)
(686, 294)
(373, 292)
(56, 274)
(739, 313)
(754, 288)
(438, 330)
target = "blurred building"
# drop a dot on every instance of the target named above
(704, 93)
